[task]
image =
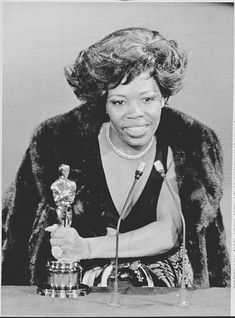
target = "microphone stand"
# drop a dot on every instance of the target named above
(182, 294)
(125, 211)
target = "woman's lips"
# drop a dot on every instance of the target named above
(136, 131)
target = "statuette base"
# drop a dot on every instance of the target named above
(64, 280)
(75, 292)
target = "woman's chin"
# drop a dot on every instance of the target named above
(139, 143)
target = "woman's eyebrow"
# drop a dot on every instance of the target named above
(150, 91)
(116, 95)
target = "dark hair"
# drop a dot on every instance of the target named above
(127, 53)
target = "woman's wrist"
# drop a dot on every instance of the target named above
(88, 245)
(100, 247)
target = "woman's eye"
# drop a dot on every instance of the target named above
(117, 102)
(149, 99)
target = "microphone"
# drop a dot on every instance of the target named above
(124, 213)
(182, 295)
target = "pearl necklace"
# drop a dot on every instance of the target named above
(120, 153)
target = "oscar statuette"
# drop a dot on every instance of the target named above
(64, 275)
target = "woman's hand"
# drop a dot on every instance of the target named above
(67, 244)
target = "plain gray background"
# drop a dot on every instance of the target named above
(39, 39)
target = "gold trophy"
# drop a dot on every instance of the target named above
(64, 277)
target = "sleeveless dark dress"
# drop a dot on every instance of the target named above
(160, 270)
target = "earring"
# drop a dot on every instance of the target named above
(107, 118)
(165, 101)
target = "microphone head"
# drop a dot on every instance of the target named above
(159, 168)
(140, 169)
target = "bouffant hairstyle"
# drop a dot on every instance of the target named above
(125, 54)
(118, 58)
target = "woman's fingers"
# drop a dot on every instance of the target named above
(51, 228)
(65, 243)
(56, 241)
(67, 240)
(63, 236)
(61, 231)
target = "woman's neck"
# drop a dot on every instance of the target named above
(120, 171)
(123, 149)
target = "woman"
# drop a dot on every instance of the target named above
(124, 82)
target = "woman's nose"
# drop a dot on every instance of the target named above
(134, 109)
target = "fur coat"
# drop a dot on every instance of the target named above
(28, 205)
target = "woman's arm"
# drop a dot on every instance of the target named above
(155, 238)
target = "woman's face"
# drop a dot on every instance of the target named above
(134, 110)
